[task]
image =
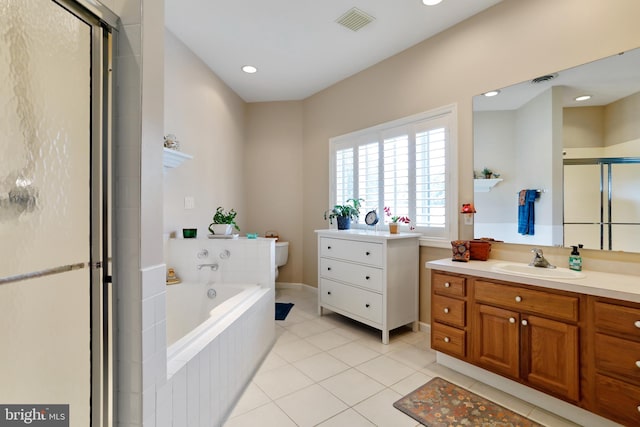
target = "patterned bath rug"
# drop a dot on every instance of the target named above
(439, 403)
(283, 309)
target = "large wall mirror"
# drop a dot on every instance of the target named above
(561, 171)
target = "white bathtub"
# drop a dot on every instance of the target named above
(190, 311)
(215, 345)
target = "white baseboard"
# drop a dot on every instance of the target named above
(300, 286)
(425, 327)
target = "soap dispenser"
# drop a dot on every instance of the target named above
(575, 260)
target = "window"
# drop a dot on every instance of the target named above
(407, 165)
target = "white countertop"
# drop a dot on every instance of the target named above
(617, 286)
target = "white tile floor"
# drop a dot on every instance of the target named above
(331, 371)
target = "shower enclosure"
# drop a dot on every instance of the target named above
(601, 203)
(55, 181)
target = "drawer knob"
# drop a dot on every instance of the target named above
(518, 299)
(447, 339)
(367, 277)
(329, 268)
(329, 293)
(367, 253)
(525, 323)
(367, 305)
(446, 310)
(512, 320)
(638, 408)
(637, 324)
(638, 363)
(328, 247)
(447, 284)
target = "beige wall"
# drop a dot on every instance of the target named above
(288, 142)
(621, 120)
(208, 119)
(509, 43)
(273, 161)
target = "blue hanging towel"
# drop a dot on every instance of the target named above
(526, 212)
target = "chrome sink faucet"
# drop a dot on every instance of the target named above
(539, 260)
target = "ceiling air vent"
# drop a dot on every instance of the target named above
(354, 19)
(543, 79)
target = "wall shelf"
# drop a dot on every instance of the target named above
(485, 185)
(173, 159)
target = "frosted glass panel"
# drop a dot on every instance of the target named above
(45, 82)
(582, 194)
(625, 203)
(44, 123)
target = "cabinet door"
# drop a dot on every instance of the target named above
(496, 341)
(550, 356)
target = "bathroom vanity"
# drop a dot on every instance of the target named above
(576, 339)
(370, 277)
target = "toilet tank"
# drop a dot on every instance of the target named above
(282, 253)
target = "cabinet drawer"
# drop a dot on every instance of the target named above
(359, 302)
(445, 284)
(617, 319)
(618, 356)
(350, 250)
(449, 310)
(448, 340)
(539, 302)
(618, 400)
(361, 275)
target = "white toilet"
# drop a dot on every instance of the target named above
(282, 254)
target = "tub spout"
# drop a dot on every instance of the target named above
(213, 267)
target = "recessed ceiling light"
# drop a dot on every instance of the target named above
(249, 69)
(491, 93)
(431, 2)
(583, 98)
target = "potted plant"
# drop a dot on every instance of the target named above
(223, 221)
(344, 213)
(395, 219)
(487, 173)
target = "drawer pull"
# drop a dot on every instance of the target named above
(512, 320)
(329, 247)
(638, 408)
(638, 363)
(367, 253)
(328, 268)
(447, 339)
(329, 293)
(525, 323)
(637, 324)
(367, 277)
(447, 284)
(518, 299)
(367, 305)
(446, 310)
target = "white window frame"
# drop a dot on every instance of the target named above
(432, 236)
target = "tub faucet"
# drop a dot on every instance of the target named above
(539, 260)
(213, 267)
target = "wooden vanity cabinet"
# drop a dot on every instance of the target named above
(449, 314)
(615, 334)
(527, 334)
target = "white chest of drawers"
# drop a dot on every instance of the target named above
(371, 277)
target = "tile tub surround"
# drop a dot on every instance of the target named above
(206, 379)
(249, 260)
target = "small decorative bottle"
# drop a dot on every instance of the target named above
(575, 260)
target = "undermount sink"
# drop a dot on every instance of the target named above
(539, 272)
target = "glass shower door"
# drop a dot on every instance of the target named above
(48, 260)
